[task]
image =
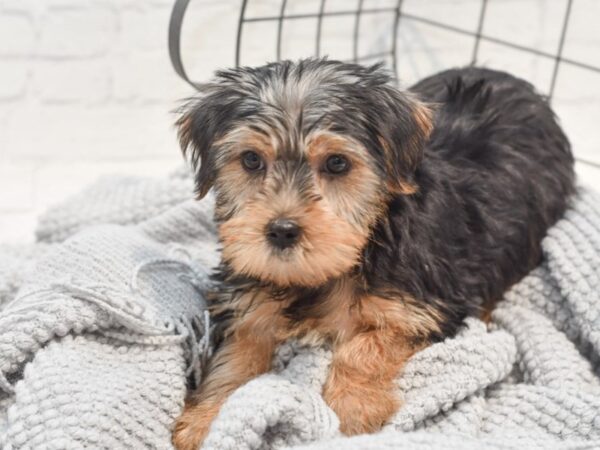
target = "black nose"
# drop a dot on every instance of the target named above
(283, 233)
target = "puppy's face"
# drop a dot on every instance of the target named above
(303, 158)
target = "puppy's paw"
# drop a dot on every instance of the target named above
(193, 425)
(362, 410)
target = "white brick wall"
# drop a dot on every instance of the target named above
(86, 87)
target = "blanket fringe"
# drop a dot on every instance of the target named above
(193, 333)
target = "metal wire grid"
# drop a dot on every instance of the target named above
(359, 12)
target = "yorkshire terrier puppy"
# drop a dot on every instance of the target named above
(359, 215)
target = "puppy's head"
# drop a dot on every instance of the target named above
(303, 158)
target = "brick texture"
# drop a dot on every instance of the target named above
(17, 35)
(14, 79)
(86, 89)
(74, 32)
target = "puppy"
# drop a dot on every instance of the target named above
(369, 218)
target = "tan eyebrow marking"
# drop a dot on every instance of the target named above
(328, 144)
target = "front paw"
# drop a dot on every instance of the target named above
(193, 425)
(360, 411)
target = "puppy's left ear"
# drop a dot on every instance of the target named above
(405, 129)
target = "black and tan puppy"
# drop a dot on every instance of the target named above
(376, 220)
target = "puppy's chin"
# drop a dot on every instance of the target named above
(318, 257)
(290, 267)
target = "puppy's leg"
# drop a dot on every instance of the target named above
(360, 387)
(244, 355)
(379, 336)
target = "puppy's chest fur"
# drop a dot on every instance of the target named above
(334, 312)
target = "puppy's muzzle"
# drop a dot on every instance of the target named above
(283, 233)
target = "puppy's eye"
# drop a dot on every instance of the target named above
(251, 161)
(337, 165)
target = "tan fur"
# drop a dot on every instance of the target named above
(184, 131)
(356, 196)
(403, 313)
(423, 117)
(360, 386)
(372, 338)
(328, 247)
(403, 188)
(486, 310)
(246, 353)
(398, 187)
(323, 144)
(241, 139)
(233, 180)
(335, 228)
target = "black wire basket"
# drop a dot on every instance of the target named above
(357, 13)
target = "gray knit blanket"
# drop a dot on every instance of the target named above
(102, 323)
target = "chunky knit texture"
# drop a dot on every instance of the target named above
(99, 332)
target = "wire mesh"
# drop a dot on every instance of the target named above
(398, 15)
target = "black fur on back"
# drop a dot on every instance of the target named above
(497, 172)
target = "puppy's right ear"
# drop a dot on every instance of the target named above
(196, 147)
(202, 122)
